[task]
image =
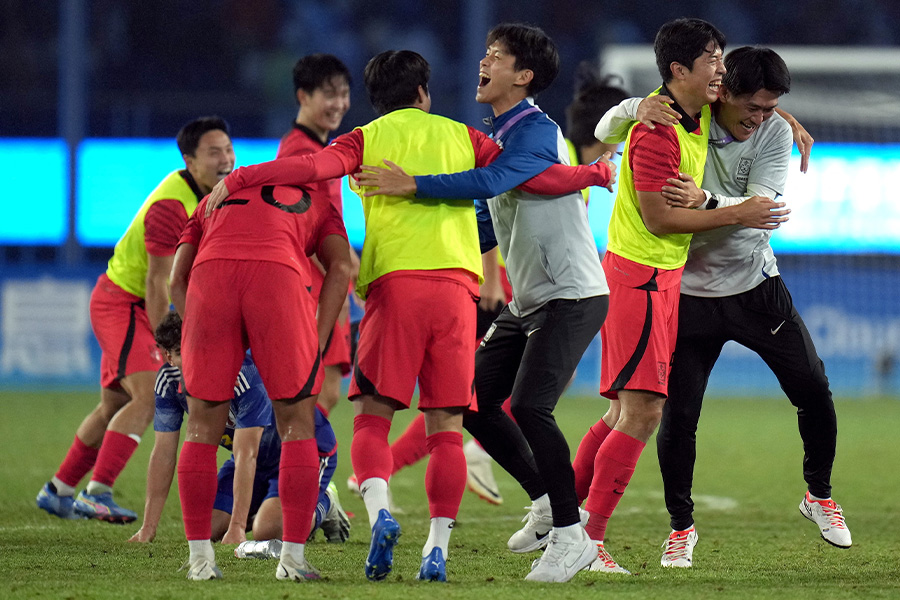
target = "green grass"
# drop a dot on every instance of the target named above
(749, 452)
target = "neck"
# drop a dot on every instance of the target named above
(303, 120)
(690, 105)
(503, 105)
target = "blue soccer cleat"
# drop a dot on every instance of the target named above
(60, 506)
(385, 534)
(434, 567)
(103, 508)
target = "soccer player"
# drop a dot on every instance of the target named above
(322, 89)
(248, 481)
(648, 244)
(416, 253)
(559, 299)
(127, 304)
(241, 278)
(727, 296)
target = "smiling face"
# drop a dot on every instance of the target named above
(500, 84)
(324, 108)
(701, 82)
(212, 160)
(742, 115)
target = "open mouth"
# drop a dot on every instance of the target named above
(484, 80)
(748, 127)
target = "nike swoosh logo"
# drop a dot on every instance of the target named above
(532, 331)
(774, 331)
(540, 536)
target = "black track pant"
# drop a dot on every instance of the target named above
(765, 321)
(532, 359)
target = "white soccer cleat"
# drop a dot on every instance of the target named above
(678, 549)
(604, 563)
(292, 570)
(336, 524)
(562, 560)
(203, 569)
(353, 485)
(480, 473)
(534, 535)
(829, 517)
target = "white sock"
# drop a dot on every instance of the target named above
(201, 549)
(571, 533)
(542, 505)
(135, 437)
(95, 488)
(62, 489)
(293, 550)
(374, 491)
(439, 535)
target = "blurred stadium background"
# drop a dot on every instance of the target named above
(93, 92)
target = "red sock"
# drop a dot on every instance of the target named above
(445, 477)
(197, 488)
(78, 461)
(585, 456)
(370, 452)
(613, 468)
(410, 448)
(115, 451)
(298, 487)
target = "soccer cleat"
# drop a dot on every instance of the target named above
(353, 485)
(336, 524)
(385, 534)
(563, 559)
(604, 563)
(60, 506)
(292, 570)
(678, 549)
(102, 507)
(203, 569)
(434, 567)
(480, 473)
(830, 519)
(534, 535)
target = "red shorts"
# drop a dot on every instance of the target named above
(638, 336)
(337, 350)
(418, 325)
(235, 304)
(120, 323)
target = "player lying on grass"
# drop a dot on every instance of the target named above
(247, 496)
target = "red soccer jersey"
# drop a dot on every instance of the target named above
(270, 223)
(655, 156)
(301, 140)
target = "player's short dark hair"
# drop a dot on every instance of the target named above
(751, 68)
(533, 49)
(593, 97)
(189, 136)
(313, 71)
(393, 78)
(168, 332)
(682, 41)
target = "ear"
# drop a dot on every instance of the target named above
(679, 71)
(302, 97)
(423, 95)
(725, 94)
(524, 77)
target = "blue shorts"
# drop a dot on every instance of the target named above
(265, 486)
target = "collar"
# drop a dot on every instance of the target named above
(686, 120)
(496, 123)
(718, 135)
(309, 133)
(189, 179)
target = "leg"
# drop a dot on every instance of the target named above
(267, 524)
(701, 336)
(496, 362)
(583, 464)
(331, 388)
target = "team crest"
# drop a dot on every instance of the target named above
(743, 169)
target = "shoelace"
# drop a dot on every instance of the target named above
(676, 545)
(604, 556)
(833, 513)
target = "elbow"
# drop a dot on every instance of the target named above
(656, 226)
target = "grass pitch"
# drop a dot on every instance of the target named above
(753, 541)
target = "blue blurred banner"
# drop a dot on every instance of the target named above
(842, 205)
(851, 312)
